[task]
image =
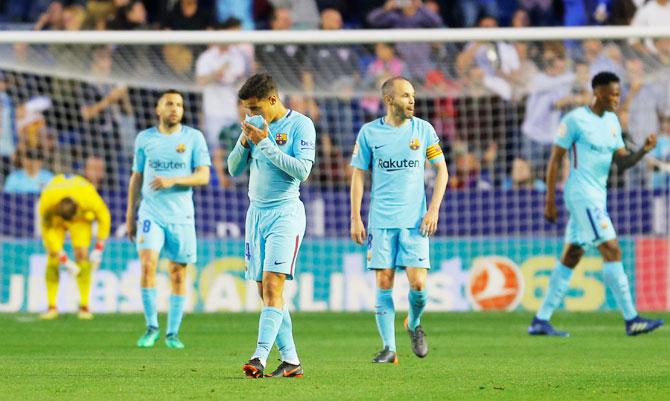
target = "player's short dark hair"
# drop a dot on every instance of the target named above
(67, 208)
(259, 86)
(169, 92)
(604, 78)
(387, 86)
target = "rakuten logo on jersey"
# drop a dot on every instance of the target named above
(400, 164)
(164, 165)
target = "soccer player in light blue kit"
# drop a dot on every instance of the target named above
(592, 137)
(277, 145)
(170, 159)
(395, 147)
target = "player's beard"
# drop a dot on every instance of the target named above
(401, 111)
(169, 122)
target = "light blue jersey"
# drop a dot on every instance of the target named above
(591, 142)
(169, 155)
(397, 157)
(294, 135)
(20, 182)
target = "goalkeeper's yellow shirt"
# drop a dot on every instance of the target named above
(90, 205)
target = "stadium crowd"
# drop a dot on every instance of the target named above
(495, 105)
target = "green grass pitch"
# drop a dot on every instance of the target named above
(473, 356)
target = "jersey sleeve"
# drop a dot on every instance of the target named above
(94, 202)
(567, 134)
(200, 152)
(139, 157)
(433, 150)
(361, 157)
(304, 145)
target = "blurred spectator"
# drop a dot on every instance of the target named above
(643, 103)
(331, 67)
(94, 171)
(228, 137)
(132, 16)
(31, 177)
(662, 55)
(331, 169)
(408, 14)
(499, 60)
(76, 18)
(542, 116)
(623, 11)
(471, 10)
(653, 13)
(585, 12)
(304, 13)
(8, 137)
(218, 71)
(283, 62)
(467, 173)
(100, 11)
(522, 177)
(520, 19)
(107, 120)
(243, 10)
(31, 124)
(541, 12)
(600, 57)
(188, 15)
(52, 18)
(660, 179)
(384, 66)
(522, 77)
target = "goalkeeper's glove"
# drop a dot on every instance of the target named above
(96, 255)
(68, 264)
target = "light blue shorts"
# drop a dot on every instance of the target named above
(589, 224)
(397, 248)
(177, 241)
(272, 238)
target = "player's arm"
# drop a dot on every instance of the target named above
(554, 166)
(134, 192)
(104, 219)
(199, 177)
(624, 158)
(238, 159)
(357, 229)
(429, 223)
(298, 168)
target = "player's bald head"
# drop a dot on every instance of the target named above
(390, 85)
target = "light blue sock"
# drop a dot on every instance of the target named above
(268, 327)
(558, 286)
(417, 303)
(175, 313)
(385, 317)
(285, 343)
(149, 303)
(617, 281)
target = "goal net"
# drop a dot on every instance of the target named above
(494, 100)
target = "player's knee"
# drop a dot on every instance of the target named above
(80, 254)
(385, 278)
(418, 285)
(571, 256)
(611, 252)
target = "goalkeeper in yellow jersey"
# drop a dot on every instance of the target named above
(69, 203)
